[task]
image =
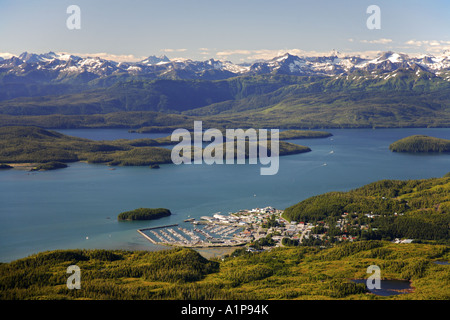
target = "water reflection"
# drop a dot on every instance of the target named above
(390, 287)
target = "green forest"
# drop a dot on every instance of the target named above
(260, 101)
(384, 210)
(144, 214)
(22, 144)
(35, 145)
(420, 144)
(52, 165)
(183, 274)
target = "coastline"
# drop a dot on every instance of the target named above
(23, 166)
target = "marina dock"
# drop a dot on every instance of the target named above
(211, 235)
(141, 231)
(218, 230)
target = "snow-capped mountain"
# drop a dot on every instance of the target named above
(57, 67)
(334, 65)
(33, 57)
(155, 60)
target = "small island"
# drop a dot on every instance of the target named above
(303, 134)
(52, 165)
(420, 144)
(144, 214)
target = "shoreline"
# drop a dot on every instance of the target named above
(23, 166)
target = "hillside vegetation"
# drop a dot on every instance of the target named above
(415, 209)
(182, 274)
(20, 144)
(35, 145)
(277, 101)
(420, 144)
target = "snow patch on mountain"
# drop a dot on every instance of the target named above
(53, 64)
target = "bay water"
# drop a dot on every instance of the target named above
(77, 207)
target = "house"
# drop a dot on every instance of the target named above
(291, 228)
(397, 240)
(220, 217)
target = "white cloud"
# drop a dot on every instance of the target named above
(249, 55)
(429, 46)
(173, 50)
(266, 54)
(7, 55)
(414, 43)
(204, 51)
(261, 54)
(377, 41)
(227, 53)
(102, 55)
(243, 55)
(108, 56)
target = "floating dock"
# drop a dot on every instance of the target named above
(168, 236)
(141, 231)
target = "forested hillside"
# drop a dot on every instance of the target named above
(182, 274)
(282, 101)
(415, 209)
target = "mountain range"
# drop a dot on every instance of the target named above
(66, 68)
(62, 90)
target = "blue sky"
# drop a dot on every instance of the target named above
(236, 30)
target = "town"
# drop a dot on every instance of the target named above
(259, 229)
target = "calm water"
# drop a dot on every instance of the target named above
(389, 287)
(77, 207)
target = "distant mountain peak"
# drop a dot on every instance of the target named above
(284, 56)
(154, 60)
(33, 57)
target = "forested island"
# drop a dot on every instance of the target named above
(144, 214)
(52, 165)
(420, 144)
(303, 134)
(35, 145)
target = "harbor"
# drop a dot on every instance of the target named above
(218, 230)
(207, 235)
(260, 228)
